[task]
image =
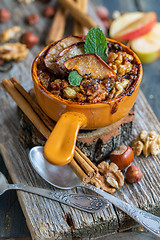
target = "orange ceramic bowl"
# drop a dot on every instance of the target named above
(85, 115)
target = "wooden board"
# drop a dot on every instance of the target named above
(47, 219)
(41, 214)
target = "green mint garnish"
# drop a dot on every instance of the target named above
(96, 43)
(74, 78)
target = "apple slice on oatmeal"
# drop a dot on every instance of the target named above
(90, 65)
(67, 53)
(54, 50)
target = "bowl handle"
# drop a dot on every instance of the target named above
(60, 146)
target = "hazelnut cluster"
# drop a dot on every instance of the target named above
(123, 156)
(109, 177)
(146, 143)
(27, 38)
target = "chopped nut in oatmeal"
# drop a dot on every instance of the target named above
(109, 177)
(119, 62)
(146, 143)
(13, 51)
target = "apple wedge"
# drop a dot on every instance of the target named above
(53, 52)
(67, 53)
(90, 65)
(132, 25)
(147, 47)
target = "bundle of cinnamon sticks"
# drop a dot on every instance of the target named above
(78, 10)
(81, 165)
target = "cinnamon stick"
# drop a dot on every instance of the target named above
(86, 159)
(77, 14)
(78, 29)
(58, 26)
(47, 121)
(26, 107)
(79, 172)
(82, 166)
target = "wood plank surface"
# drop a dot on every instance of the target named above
(43, 219)
(11, 216)
(41, 214)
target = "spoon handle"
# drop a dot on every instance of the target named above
(84, 202)
(147, 220)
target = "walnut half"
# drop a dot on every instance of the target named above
(146, 143)
(9, 33)
(13, 51)
(109, 177)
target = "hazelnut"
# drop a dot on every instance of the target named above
(29, 39)
(4, 15)
(133, 174)
(102, 12)
(49, 11)
(1, 61)
(106, 24)
(32, 18)
(122, 156)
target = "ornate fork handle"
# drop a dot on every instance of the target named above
(84, 202)
(149, 221)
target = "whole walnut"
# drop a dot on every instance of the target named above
(4, 15)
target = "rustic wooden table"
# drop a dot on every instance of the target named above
(12, 221)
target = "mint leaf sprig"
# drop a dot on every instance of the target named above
(96, 43)
(74, 78)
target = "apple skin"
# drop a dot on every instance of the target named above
(147, 47)
(137, 28)
(148, 57)
(123, 21)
